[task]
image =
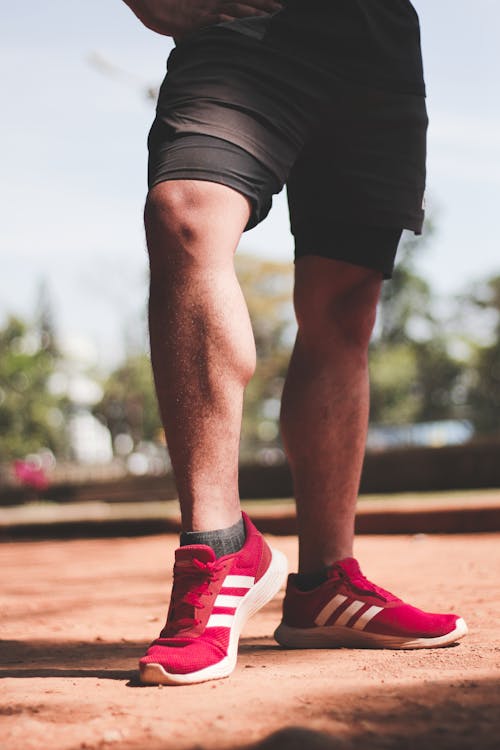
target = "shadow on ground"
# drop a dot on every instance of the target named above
(448, 713)
(52, 658)
(437, 716)
(49, 658)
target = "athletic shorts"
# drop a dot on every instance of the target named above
(238, 111)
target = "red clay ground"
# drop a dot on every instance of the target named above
(77, 614)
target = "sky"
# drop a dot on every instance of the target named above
(73, 160)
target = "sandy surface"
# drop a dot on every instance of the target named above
(77, 614)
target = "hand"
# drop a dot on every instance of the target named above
(180, 17)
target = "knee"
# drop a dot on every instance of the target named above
(173, 222)
(338, 310)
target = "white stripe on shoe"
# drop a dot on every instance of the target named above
(329, 613)
(329, 608)
(365, 618)
(228, 600)
(225, 620)
(351, 610)
(220, 621)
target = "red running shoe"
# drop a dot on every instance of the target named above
(210, 603)
(348, 610)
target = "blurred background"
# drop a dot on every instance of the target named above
(76, 394)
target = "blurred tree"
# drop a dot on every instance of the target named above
(31, 417)
(415, 381)
(484, 390)
(267, 286)
(405, 300)
(129, 405)
(393, 376)
(45, 320)
(439, 381)
(414, 378)
(484, 394)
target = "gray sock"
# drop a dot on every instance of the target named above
(222, 541)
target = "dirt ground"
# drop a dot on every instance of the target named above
(76, 615)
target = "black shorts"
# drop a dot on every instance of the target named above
(237, 111)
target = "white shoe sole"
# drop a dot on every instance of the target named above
(340, 637)
(260, 594)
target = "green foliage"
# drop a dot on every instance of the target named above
(405, 300)
(414, 382)
(393, 374)
(129, 401)
(484, 393)
(267, 286)
(439, 381)
(45, 324)
(30, 416)
(414, 378)
(484, 396)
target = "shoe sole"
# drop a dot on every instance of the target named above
(260, 594)
(339, 637)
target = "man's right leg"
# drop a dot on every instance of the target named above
(202, 346)
(203, 354)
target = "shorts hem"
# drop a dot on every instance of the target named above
(252, 146)
(413, 222)
(386, 272)
(365, 245)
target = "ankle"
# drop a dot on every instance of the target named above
(310, 581)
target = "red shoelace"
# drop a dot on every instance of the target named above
(190, 592)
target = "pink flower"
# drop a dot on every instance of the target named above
(30, 475)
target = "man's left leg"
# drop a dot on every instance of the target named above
(324, 425)
(326, 398)
(325, 403)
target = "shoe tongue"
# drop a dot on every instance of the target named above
(351, 568)
(195, 551)
(349, 565)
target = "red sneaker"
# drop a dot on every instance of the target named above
(348, 610)
(211, 601)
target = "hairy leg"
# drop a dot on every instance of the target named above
(202, 346)
(325, 403)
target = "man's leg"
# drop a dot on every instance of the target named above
(325, 403)
(203, 354)
(204, 192)
(202, 346)
(324, 420)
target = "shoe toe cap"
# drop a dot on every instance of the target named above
(183, 658)
(406, 620)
